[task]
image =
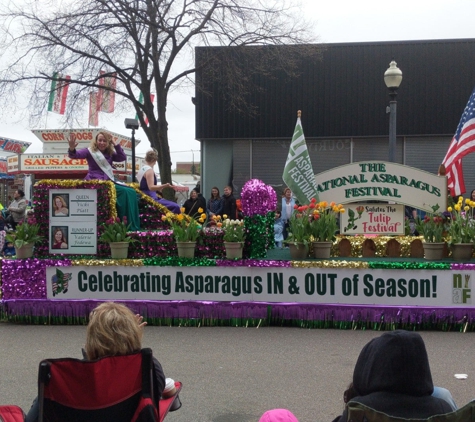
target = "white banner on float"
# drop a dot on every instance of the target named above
(233, 284)
(73, 221)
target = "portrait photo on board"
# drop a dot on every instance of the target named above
(60, 205)
(59, 237)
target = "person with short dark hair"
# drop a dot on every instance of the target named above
(229, 208)
(193, 204)
(9, 249)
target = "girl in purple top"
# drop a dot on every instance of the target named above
(148, 182)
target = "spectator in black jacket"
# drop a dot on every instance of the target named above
(229, 208)
(193, 204)
(392, 375)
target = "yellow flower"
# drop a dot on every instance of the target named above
(201, 220)
(180, 217)
(164, 218)
(225, 216)
(182, 209)
(203, 216)
(200, 210)
(467, 201)
(449, 209)
(457, 207)
(466, 207)
(342, 210)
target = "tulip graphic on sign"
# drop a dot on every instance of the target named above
(352, 218)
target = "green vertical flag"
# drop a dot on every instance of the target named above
(298, 172)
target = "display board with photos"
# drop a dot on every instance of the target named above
(73, 221)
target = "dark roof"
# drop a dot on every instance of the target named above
(344, 93)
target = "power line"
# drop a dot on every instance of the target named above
(188, 150)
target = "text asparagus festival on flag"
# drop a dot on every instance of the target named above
(298, 172)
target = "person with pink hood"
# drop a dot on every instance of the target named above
(278, 415)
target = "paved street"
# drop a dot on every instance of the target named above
(235, 374)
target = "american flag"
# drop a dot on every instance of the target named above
(463, 143)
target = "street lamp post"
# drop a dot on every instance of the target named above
(392, 79)
(134, 125)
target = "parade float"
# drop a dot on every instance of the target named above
(376, 276)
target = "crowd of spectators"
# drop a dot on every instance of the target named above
(391, 375)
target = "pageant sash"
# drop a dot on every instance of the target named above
(142, 172)
(103, 164)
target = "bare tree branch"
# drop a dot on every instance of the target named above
(144, 43)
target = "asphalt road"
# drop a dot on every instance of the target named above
(235, 374)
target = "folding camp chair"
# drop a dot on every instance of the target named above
(115, 389)
(11, 413)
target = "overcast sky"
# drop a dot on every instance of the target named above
(335, 22)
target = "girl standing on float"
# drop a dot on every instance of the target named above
(287, 209)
